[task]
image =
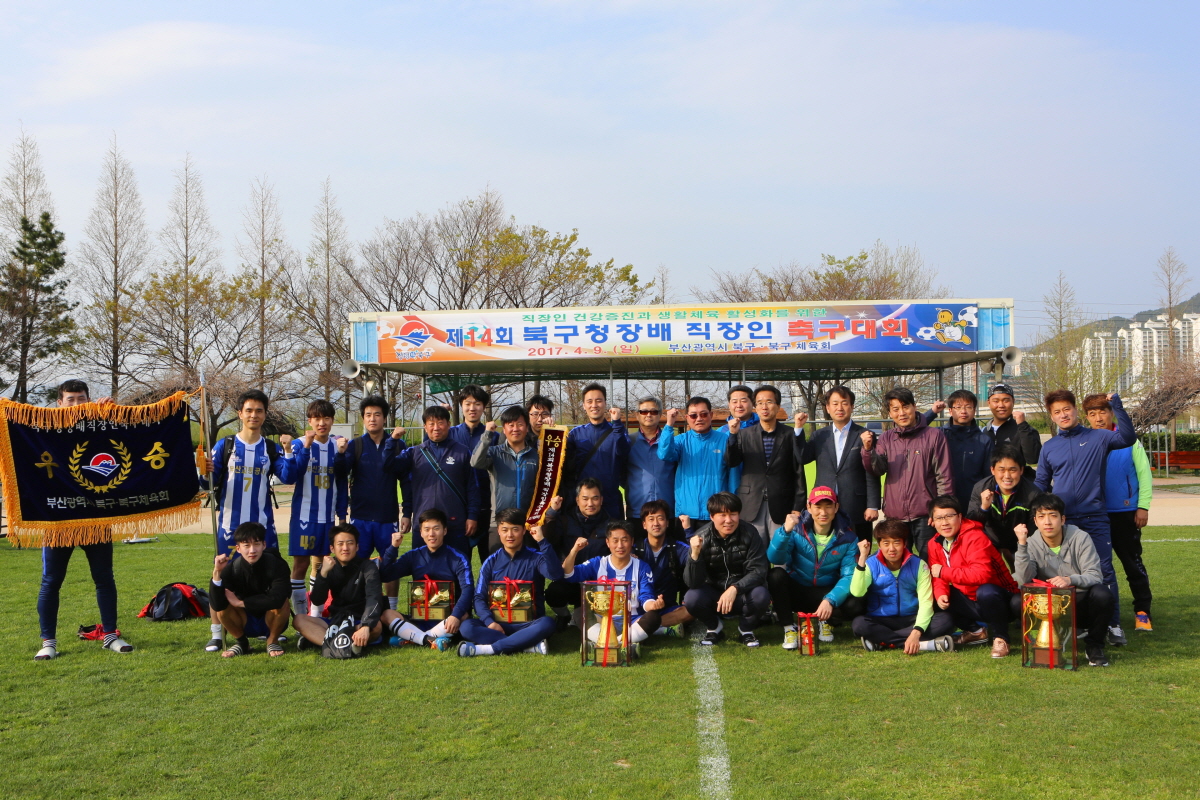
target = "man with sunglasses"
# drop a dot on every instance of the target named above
(699, 456)
(647, 476)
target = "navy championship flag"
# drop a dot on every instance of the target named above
(97, 472)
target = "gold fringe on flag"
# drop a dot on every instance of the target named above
(85, 531)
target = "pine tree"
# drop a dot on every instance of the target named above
(38, 326)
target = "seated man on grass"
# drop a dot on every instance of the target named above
(817, 552)
(438, 563)
(619, 565)
(249, 593)
(488, 636)
(970, 579)
(356, 591)
(666, 557)
(1063, 555)
(899, 594)
(725, 572)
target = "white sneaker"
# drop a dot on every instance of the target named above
(541, 648)
(825, 633)
(46, 653)
(791, 638)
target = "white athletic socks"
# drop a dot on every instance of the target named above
(50, 643)
(636, 634)
(393, 603)
(484, 650)
(217, 629)
(408, 632)
(109, 638)
(437, 630)
(299, 597)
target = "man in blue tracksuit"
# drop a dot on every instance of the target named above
(437, 562)
(700, 456)
(1074, 464)
(970, 447)
(472, 401)
(599, 449)
(485, 634)
(648, 477)
(437, 474)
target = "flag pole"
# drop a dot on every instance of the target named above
(208, 448)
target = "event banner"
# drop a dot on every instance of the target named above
(631, 331)
(96, 472)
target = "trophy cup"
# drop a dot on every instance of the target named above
(511, 601)
(430, 599)
(605, 624)
(1048, 626)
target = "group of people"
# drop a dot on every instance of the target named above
(712, 524)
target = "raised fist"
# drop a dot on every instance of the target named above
(397, 540)
(864, 550)
(735, 425)
(490, 426)
(309, 435)
(696, 543)
(342, 441)
(791, 521)
(801, 419)
(398, 432)
(580, 543)
(938, 406)
(868, 440)
(986, 497)
(285, 440)
(672, 416)
(1019, 416)
(1021, 532)
(556, 502)
(685, 521)
(614, 414)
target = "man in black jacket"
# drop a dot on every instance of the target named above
(250, 593)
(837, 450)
(1002, 500)
(726, 572)
(585, 520)
(1009, 427)
(354, 585)
(772, 484)
(970, 448)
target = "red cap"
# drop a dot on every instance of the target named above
(821, 493)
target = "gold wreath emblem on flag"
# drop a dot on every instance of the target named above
(77, 473)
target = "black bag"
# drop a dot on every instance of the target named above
(338, 643)
(176, 601)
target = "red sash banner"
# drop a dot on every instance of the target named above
(552, 452)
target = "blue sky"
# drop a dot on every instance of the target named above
(1007, 141)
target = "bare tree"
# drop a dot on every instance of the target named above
(24, 193)
(1171, 276)
(1058, 359)
(113, 257)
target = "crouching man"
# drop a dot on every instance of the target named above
(249, 594)
(1063, 555)
(726, 572)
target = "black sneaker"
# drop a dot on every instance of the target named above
(713, 637)
(748, 638)
(304, 644)
(1096, 656)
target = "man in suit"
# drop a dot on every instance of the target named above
(772, 483)
(836, 448)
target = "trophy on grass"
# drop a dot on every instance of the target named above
(511, 601)
(606, 605)
(1048, 626)
(806, 634)
(430, 599)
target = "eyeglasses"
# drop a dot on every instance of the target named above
(649, 411)
(701, 415)
(945, 518)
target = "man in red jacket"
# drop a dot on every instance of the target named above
(970, 579)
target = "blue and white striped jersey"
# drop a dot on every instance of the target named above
(246, 485)
(637, 572)
(320, 495)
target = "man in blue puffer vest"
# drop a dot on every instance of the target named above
(817, 551)
(899, 592)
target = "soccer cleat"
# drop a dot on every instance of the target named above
(396, 641)
(441, 644)
(466, 650)
(541, 648)
(999, 648)
(1116, 636)
(791, 639)
(713, 637)
(868, 645)
(673, 631)
(1096, 656)
(1142, 622)
(46, 653)
(119, 645)
(304, 644)
(825, 631)
(971, 637)
(214, 645)
(748, 638)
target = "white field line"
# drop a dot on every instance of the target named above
(1156, 541)
(710, 724)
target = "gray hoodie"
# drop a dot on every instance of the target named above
(514, 475)
(1076, 559)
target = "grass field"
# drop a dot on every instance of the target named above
(172, 721)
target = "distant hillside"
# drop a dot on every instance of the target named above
(1112, 324)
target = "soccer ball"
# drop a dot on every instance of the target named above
(970, 315)
(926, 334)
(907, 340)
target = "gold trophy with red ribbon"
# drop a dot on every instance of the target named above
(606, 605)
(511, 601)
(1048, 626)
(430, 599)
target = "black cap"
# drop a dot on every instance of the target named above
(1002, 388)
